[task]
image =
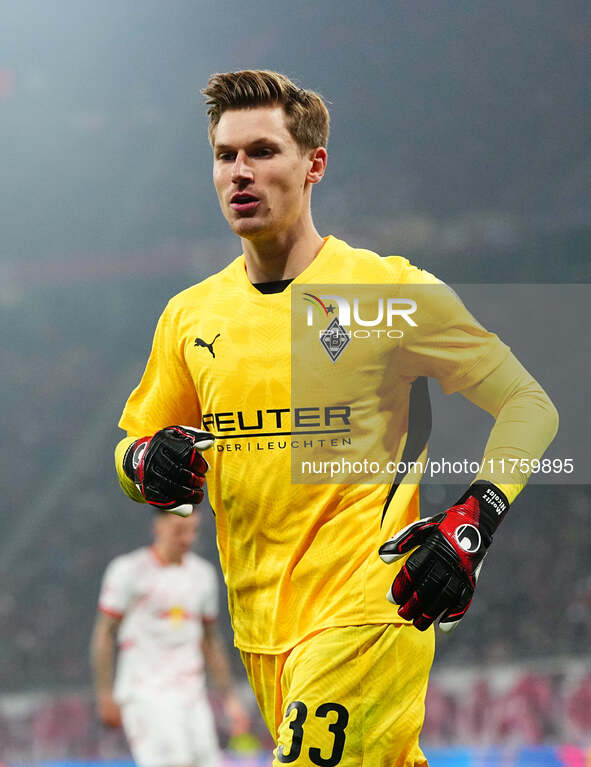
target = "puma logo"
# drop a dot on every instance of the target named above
(201, 342)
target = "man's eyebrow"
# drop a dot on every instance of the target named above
(249, 145)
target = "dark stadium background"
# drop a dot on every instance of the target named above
(460, 140)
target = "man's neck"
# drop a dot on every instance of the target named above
(165, 556)
(281, 257)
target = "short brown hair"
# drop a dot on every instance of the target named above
(306, 114)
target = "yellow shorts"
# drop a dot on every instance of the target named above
(346, 697)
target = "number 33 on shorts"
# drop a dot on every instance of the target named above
(317, 736)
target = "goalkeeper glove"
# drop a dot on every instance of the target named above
(168, 467)
(438, 579)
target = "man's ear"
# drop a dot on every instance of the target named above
(318, 159)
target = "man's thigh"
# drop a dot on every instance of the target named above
(354, 697)
(204, 735)
(166, 732)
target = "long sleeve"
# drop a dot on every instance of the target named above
(526, 422)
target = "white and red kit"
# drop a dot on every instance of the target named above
(160, 679)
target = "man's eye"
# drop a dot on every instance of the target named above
(225, 156)
(263, 152)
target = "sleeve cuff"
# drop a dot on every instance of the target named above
(127, 485)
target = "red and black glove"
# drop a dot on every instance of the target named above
(168, 467)
(438, 579)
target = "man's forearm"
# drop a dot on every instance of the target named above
(526, 423)
(102, 654)
(217, 664)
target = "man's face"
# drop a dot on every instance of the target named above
(259, 172)
(176, 534)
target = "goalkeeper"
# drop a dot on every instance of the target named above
(339, 673)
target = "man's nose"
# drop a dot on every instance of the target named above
(242, 171)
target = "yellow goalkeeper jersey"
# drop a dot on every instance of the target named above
(299, 387)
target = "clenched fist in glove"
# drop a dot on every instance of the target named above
(168, 467)
(438, 579)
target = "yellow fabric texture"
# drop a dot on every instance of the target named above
(298, 558)
(127, 485)
(526, 422)
(357, 668)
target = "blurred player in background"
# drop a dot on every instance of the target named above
(159, 605)
(339, 673)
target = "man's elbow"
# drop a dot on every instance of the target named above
(549, 415)
(554, 418)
